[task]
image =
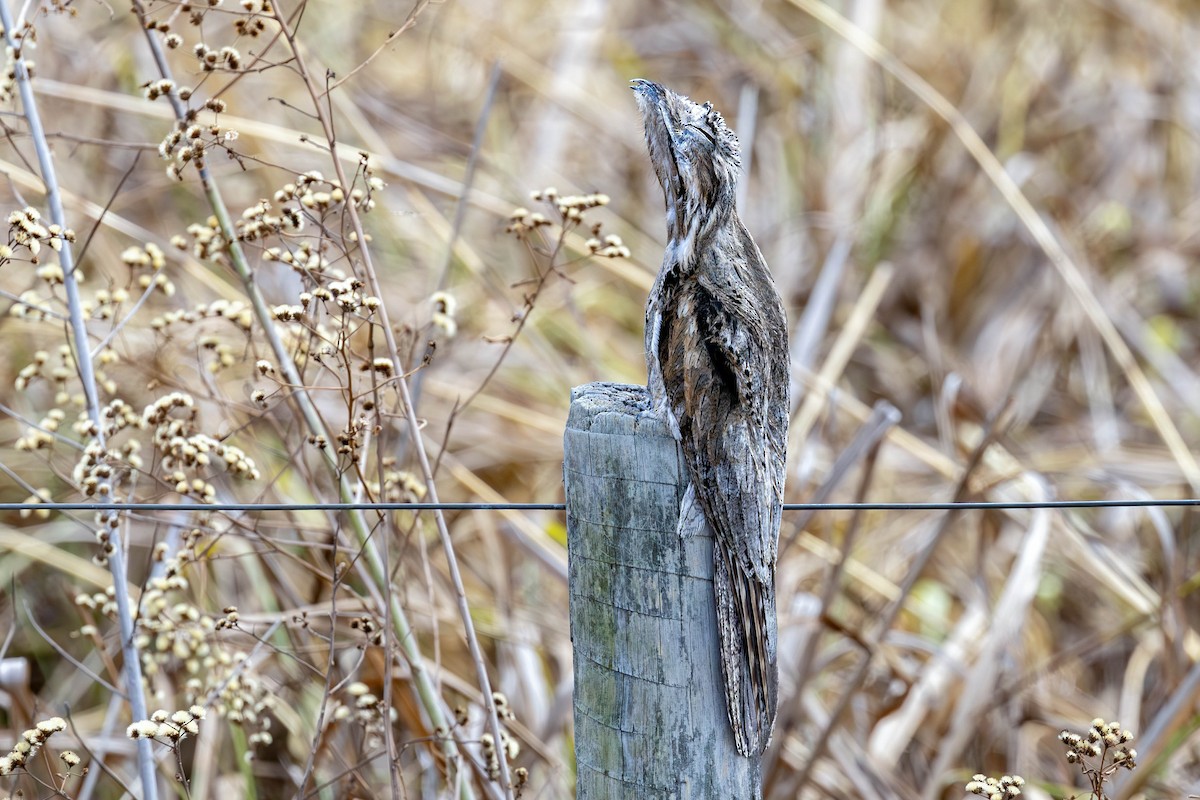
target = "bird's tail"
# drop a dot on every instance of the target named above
(748, 632)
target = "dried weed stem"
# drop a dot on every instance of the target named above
(87, 374)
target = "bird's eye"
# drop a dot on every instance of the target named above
(704, 133)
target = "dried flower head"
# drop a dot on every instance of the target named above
(995, 788)
(1100, 751)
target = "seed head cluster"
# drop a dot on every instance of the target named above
(570, 207)
(8, 83)
(304, 257)
(314, 192)
(29, 744)
(191, 139)
(149, 260)
(41, 435)
(210, 59)
(177, 639)
(169, 727)
(444, 307)
(610, 246)
(258, 222)
(399, 485)
(26, 231)
(995, 788)
(31, 306)
(42, 495)
(188, 453)
(510, 746)
(208, 243)
(61, 370)
(568, 211)
(1101, 750)
(365, 708)
(491, 756)
(234, 311)
(106, 304)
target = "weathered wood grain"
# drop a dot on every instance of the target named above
(650, 719)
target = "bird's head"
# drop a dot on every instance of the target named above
(696, 156)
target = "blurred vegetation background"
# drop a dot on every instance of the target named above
(908, 277)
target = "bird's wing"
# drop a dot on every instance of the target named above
(731, 400)
(729, 394)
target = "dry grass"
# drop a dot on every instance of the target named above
(950, 301)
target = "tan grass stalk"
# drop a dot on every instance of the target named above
(843, 348)
(1071, 273)
(995, 430)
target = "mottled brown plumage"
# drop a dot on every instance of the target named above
(716, 352)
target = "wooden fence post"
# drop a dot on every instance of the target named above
(650, 718)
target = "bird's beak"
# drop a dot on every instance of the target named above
(654, 100)
(643, 86)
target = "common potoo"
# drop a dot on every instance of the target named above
(717, 357)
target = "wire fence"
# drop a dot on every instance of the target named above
(864, 506)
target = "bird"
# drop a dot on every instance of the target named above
(718, 376)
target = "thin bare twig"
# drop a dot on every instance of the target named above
(460, 215)
(410, 414)
(409, 21)
(372, 563)
(66, 656)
